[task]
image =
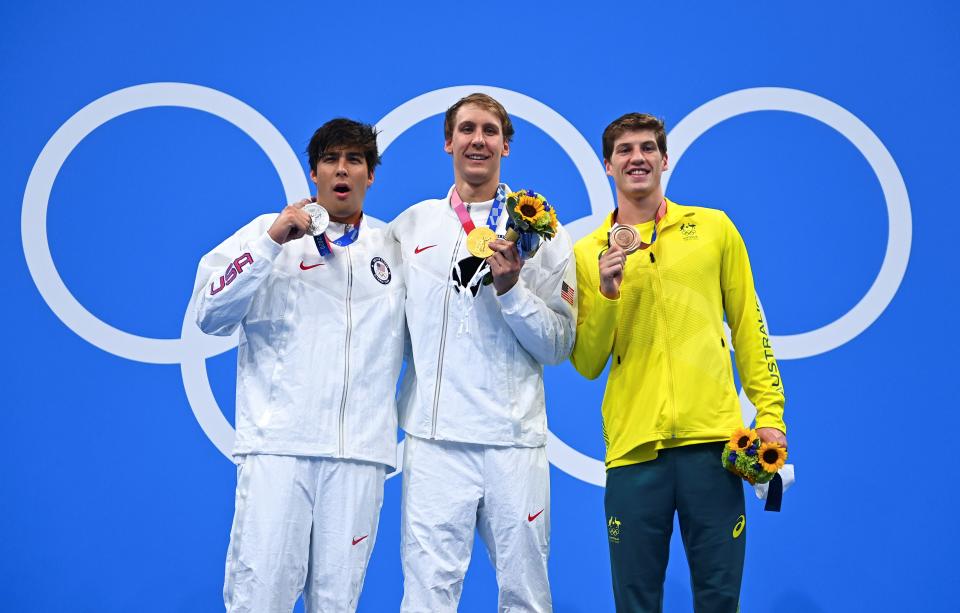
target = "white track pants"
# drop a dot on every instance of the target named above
(301, 525)
(451, 489)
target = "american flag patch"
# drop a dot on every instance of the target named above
(567, 293)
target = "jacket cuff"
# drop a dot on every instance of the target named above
(605, 302)
(512, 299)
(766, 420)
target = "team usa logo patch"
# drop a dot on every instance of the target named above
(233, 269)
(380, 270)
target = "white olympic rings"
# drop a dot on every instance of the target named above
(192, 349)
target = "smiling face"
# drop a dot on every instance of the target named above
(476, 143)
(342, 178)
(636, 165)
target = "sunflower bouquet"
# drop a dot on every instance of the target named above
(749, 458)
(531, 219)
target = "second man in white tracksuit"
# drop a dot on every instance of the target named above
(472, 402)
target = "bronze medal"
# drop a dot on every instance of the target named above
(626, 237)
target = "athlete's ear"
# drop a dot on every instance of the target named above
(666, 165)
(608, 167)
(448, 146)
(313, 175)
(506, 149)
(369, 178)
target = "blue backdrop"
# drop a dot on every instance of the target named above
(138, 138)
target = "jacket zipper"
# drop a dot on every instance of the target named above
(443, 337)
(666, 344)
(346, 347)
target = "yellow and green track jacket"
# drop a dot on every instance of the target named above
(671, 380)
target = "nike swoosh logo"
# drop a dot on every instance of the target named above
(534, 516)
(302, 267)
(357, 540)
(418, 248)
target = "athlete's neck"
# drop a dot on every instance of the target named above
(632, 211)
(352, 220)
(477, 193)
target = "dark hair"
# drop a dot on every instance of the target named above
(631, 122)
(485, 102)
(341, 132)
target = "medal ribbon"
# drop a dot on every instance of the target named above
(495, 210)
(661, 213)
(323, 243)
(774, 494)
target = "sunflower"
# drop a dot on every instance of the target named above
(741, 439)
(529, 208)
(772, 457)
(553, 219)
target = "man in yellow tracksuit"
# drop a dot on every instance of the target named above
(655, 306)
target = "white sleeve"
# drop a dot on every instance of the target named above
(229, 276)
(543, 316)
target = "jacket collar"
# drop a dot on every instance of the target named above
(483, 206)
(675, 213)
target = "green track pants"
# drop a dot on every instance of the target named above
(640, 501)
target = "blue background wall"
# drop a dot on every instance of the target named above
(113, 496)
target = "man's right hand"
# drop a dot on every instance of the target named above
(612, 263)
(292, 223)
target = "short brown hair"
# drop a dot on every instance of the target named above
(485, 102)
(631, 122)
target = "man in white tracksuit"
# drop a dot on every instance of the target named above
(472, 402)
(321, 344)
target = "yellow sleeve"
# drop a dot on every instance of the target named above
(759, 373)
(597, 317)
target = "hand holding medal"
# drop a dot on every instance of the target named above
(622, 240)
(292, 223)
(530, 219)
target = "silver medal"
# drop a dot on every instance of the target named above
(319, 219)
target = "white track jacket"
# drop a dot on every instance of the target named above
(477, 370)
(321, 340)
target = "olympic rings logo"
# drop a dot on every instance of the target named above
(193, 347)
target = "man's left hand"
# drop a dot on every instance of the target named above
(505, 264)
(772, 435)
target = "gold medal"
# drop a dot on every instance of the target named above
(478, 239)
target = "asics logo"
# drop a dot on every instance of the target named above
(740, 525)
